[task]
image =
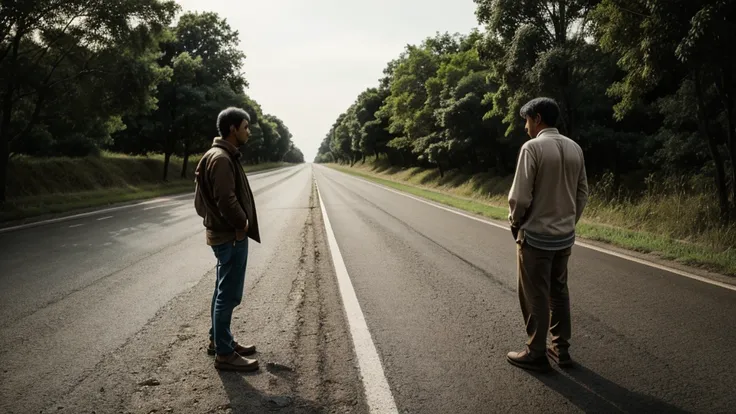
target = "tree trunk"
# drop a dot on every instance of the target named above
(5, 142)
(185, 164)
(167, 159)
(720, 177)
(569, 105)
(8, 113)
(726, 92)
(4, 161)
(731, 145)
(476, 162)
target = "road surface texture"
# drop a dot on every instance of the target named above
(438, 291)
(109, 313)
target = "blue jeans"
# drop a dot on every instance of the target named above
(231, 260)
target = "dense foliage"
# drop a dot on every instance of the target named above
(647, 88)
(134, 76)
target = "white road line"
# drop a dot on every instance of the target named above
(377, 392)
(92, 213)
(75, 225)
(161, 206)
(104, 218)
(581, 244)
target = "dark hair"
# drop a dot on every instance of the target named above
(547, 108)
(230, 117)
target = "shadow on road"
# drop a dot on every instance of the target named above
(244, 398)
(592, 393)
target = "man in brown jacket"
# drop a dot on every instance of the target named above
(224, 200)
(547, 198)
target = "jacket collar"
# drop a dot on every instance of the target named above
(548, 131)
(227, 146)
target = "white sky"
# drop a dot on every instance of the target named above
(307, 60)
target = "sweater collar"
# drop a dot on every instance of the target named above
(548, 131)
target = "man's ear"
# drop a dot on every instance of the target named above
(538, 119)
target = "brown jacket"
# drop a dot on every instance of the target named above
(223, 197)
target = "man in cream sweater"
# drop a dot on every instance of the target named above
(547, 198)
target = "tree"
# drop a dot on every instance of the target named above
(323, 154)
(713, 30)
(405, 108)
(294, 156)
(270, 139)
(373, 135)
(457, 94)
(661, 43)
(214, 76)
(212, 38)
(283, 144)
(545, 53)
(48, 44)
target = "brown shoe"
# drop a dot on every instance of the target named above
(524, 360)
(235, 362)
(240, 349)
(562, 359)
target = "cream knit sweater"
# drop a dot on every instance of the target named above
(550, 187)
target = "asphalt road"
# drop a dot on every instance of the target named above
(92, 308)
(438, 291)
(109, 313)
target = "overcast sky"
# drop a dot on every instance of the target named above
(307, 60)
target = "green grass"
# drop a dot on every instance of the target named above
(48, 186)
(472, 194)
(30, 176)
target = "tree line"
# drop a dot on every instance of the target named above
(647, 88)
(133, 76)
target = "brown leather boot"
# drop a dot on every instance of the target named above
(235, 362)
(525, 360)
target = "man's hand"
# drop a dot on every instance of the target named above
(244, 232)
(515, 232)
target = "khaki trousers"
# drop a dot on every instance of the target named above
(544, 297)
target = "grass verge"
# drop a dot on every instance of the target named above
(59, 202)
(721, 260)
